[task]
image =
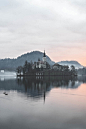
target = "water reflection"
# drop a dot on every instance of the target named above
(37, 87)
(58, 103)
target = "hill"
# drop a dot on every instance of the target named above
(69, 63)
(12, 64)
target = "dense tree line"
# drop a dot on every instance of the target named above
(27, 68)
(81, 71)
(66, 68)
(24, 69)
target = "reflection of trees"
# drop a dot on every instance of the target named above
(73, 83)
(37, 83)
(82, 79)
(34, 86)
(40, 87)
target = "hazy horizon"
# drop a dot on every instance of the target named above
(58, 26)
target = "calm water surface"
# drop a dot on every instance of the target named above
(43, 103)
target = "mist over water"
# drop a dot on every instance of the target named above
(43, 103)
(4, 75)
(7, 73)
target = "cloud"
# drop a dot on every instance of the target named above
(27, 25)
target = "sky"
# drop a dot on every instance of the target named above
(58, 26)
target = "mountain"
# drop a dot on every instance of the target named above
(69, 63)
(12, 64)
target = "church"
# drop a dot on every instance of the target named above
(40, 64)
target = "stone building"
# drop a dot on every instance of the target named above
(40, 64)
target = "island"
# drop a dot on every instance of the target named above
(43, 68)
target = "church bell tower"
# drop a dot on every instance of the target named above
(44, 57)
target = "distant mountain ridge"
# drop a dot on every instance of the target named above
(69, 63)
(12, 64)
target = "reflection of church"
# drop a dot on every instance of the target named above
(39, 88)
(40, 64)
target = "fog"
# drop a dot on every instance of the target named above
(6, 75)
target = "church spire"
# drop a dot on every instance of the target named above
(44, 54)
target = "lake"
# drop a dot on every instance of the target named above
(42, 103)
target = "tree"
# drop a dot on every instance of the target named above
(29, 67)
(47, 65)
(25, 67)
(65, 68)
(19, 69)
(23, 70)
(73, 70)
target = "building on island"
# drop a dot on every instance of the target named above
(42, 68)
(41, 64)
(56, 66)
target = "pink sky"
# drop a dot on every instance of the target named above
(58, 26)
